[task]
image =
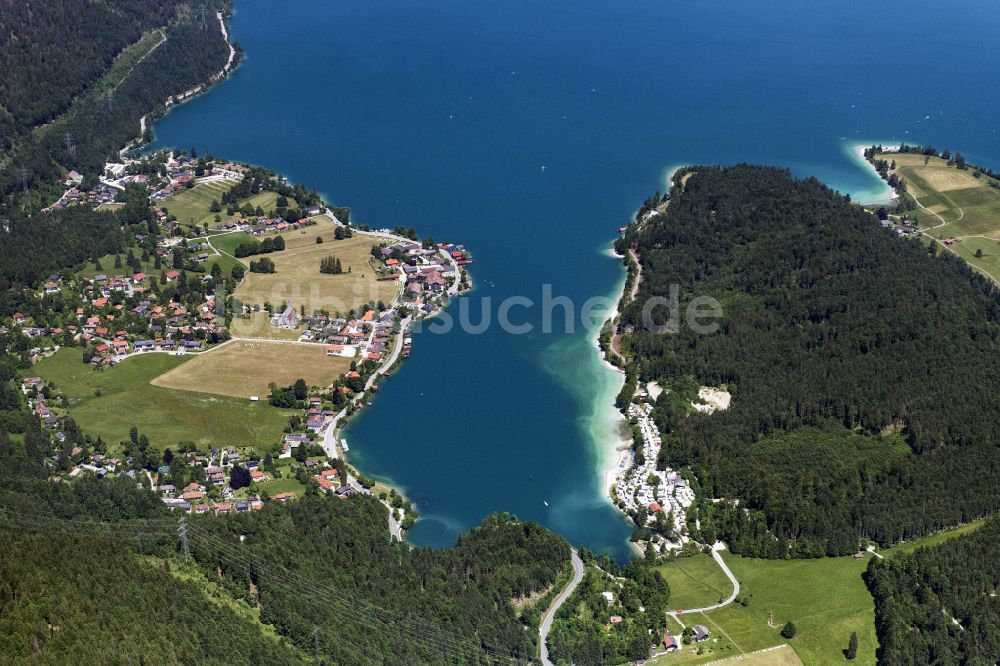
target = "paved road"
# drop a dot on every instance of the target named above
(729, 574)
(550, 614)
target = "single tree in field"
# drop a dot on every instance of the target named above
(979, 253)
(788, 631)
(852, 646)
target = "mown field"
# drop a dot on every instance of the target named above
(258, 325)
(297, 279)
(192, 206)
(109, 402)
(959, 206)
(243, 369)
(826, 599)
(695, 582)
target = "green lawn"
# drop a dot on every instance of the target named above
(284, 485)
(90, 269)
(166, 416)
(695, 582)
(825, 598)
(734, 630)
(192, 206)
(227, 242)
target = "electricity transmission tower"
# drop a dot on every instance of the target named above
(183, 533)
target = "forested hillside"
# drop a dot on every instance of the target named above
(60, 80)
(939, 605)
(321, 570)
(53, 50)
(862, 367)
(88, 599)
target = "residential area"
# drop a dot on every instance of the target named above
(662, 495)
(182, 289)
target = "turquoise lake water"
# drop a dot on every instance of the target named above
(440, 115)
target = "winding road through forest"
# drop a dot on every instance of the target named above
(550, 614)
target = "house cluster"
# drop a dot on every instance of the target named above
(169, 327)
(700, 633)
(258, 225)
(31, 386)
(645, 486)
(76, 196)
(97, 464)
(367, 337)
(430, 274)
(215, 493)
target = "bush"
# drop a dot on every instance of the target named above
(788, 631)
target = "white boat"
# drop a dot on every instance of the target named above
(545, 503)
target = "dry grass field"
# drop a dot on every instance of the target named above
(297, 279)
(956, 206)
(258, 325)
(242, 369)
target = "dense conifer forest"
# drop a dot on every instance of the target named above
(56, 110)
(939, 605)
(862, 366)
(322, 571)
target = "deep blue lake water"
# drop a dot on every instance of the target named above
(441, 114)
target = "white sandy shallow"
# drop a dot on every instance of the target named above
(881, 194)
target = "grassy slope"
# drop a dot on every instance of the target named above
(969, 206)
(191, 206)
(166, 416)
(695, 582)
(826, 599)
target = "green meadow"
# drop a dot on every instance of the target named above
(109, 402)
(192, 205)
(956, 205)
(695, 582)
(825, 598)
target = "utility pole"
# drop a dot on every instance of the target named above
(182, 530)
(315, 637)
(110, 96)
(204, 22)
(24, 182)
(68, 140)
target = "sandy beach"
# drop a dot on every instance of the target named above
(883, 194)
(613, 428)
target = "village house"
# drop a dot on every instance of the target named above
(289, 318)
